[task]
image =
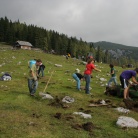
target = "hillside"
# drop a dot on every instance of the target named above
(128, 51)
(23, 116)
(114, 46)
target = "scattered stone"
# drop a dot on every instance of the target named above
(122, 110)
(19, 63)
(65, 106)
(58, 65)
(86, 116)
(13, 57)
(98, 103)
(32, 124)
(68, 99)
(45, 96)
(127, 122)
(103, 79)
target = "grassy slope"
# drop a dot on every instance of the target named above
(18, 109)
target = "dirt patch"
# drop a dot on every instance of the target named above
(99, 101)
(58, 115)
(133, 105)
(67, 117)
(113, 91)
(35, 115)
(58, 103)
(68, 87)
(85, 111)
(108, 103)
(77, 126)
(89, 126)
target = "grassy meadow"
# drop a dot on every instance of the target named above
(22, 116)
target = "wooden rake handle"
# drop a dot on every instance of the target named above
(48, 81)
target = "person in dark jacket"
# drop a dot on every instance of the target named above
(41, 70)
(113, 75)
(77, 76)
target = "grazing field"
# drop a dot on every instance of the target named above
(22, 116)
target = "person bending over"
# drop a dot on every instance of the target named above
(125, 77)
(77, 76)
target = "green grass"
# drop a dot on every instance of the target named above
(18, 109)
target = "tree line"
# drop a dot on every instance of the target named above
(48, 40)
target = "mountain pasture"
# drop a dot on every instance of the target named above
(23, 116)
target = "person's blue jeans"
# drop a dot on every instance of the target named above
(112, 79)
(32, 85)
(77, 80)
(87, 79)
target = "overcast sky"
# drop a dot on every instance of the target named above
(92, 20)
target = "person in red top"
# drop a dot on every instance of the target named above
(87, 73)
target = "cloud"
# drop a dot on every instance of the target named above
(92, 20)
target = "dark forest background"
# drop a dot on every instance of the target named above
(48, 40)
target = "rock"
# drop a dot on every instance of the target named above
(83, 115)
(122, 110)
(124, 121)
(58, 65)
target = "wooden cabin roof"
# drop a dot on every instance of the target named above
(24, 43)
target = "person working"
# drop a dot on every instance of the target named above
(77, 76)
(41, 70)
(113, 76)
(87, 73)
(125, 77)
(32, 78)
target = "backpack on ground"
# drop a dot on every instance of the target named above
(6, 77)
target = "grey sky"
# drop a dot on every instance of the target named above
(92, 20)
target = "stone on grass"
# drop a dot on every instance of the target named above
(58, 65)
(86, 116)
(45, 96)
(122, 110)
(126, 122)
(103, 79)
(68, 99)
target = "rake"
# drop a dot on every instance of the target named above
(48, 82)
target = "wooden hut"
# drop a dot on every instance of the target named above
(23, 45)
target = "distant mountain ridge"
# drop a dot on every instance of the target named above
(117, 50)
(110, 45)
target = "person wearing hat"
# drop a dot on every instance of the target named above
(77, 76)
